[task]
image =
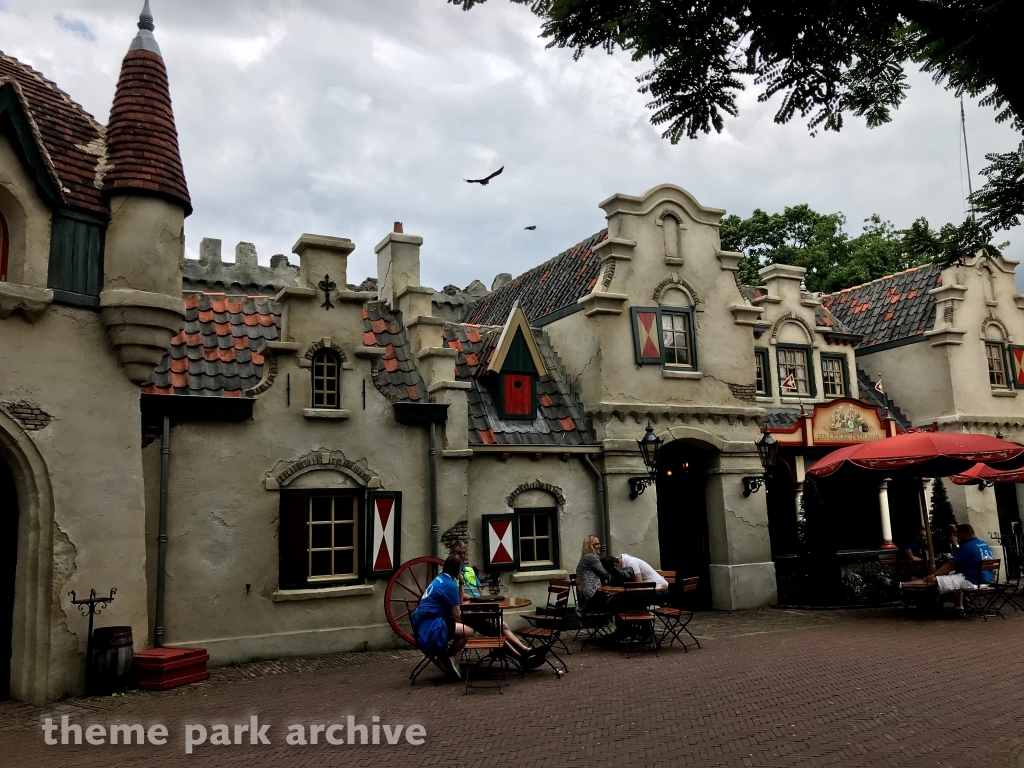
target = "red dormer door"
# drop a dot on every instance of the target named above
(517, 395)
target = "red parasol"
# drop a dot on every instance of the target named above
(920, 454)
(985, 473)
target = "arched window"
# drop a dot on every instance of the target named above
(326, 380)
(5, 247)
(995, 356)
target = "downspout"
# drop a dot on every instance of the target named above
(602, 503)
(433, 489)
(161, 567)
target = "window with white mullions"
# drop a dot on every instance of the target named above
(326, 380)
(677, 338)
(535, 540)
(761, 371)
(333, 533)
(793, 379)
(996, 366)
(833, 379)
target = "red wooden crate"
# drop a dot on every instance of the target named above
(163, 668)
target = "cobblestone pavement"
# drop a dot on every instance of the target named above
(769, 688)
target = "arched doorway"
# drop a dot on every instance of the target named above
(683, 515)
(8, 566)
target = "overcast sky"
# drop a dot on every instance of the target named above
(339, 117)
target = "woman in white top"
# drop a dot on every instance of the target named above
(642, 569)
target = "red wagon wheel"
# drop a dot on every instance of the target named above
(404, 591)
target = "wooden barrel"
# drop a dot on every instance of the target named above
(112, 657)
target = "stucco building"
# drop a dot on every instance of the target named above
(249, 452)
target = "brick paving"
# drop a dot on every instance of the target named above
(769, 688)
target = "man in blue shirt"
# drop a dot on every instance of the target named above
(963, 570)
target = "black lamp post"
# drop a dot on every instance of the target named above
(650, 445)
(768, 452)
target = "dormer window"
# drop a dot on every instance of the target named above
(517, 362)
(326, 380)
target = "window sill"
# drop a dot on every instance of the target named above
(1004, 393)
(325, 413)
(520, 577)
(290, 595)
(795, 400)
(669, 373)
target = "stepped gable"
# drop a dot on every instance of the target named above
(394, 374)
(823, 318)
(560, 418)
(143, 141)
(557, 283)
(894, 307)
(215, 353)
(69, 138)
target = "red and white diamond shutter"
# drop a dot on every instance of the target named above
(385, 533)
(1017, 358)
(501, 542)
(647, 335)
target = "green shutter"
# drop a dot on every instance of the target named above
(76, 258)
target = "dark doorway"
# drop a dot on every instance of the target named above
(683, 516)
(780, 500)
(1006, 506)
(8, 561)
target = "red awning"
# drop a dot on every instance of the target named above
(923, 454)
(989, 475)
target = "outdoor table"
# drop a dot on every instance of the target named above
(506, 604)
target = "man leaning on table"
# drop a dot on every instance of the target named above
(963, 570)
(642, 569)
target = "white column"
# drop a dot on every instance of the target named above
(883, 508)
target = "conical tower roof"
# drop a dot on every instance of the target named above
(142, 141)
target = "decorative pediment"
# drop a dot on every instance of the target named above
(517, 338)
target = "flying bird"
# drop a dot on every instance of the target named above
(531, 227)
(486, 180)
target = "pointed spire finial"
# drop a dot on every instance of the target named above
(144, 41)
(146, 18)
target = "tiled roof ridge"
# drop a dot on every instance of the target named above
(142, 138)
(893, 276)
(539, 296)
(52, 85)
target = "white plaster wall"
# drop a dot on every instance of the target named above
(28, 219)
(63, 363)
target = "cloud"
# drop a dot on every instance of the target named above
(341, 118)
(75, 27)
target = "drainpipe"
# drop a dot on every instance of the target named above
(161, 539)
(602, 503)
(433, 489)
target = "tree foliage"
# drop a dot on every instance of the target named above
(941, 512)
(823, 59)
(819, 243)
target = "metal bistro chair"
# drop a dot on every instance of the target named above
(542, 616)
(983, 599)
(636, 622)
(545, 631)
(594, 622)
(437, 659)
(677, 614)
(484, 650)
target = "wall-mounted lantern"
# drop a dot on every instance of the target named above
(768, 452)
(650, 446)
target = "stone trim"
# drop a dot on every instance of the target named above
(789, 317)
(328, 459)
(269, 375)
(993, 320)
(536, 485)
(677, 281)
(29, 415)
(683, 414)
(324, 343)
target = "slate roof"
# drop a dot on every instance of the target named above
(214, 354)
(557, 283)
(822, 316)
(141, 135)
(869, 394)
(71, 140)
(395, 374)
(560, 417)
(894, 307)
